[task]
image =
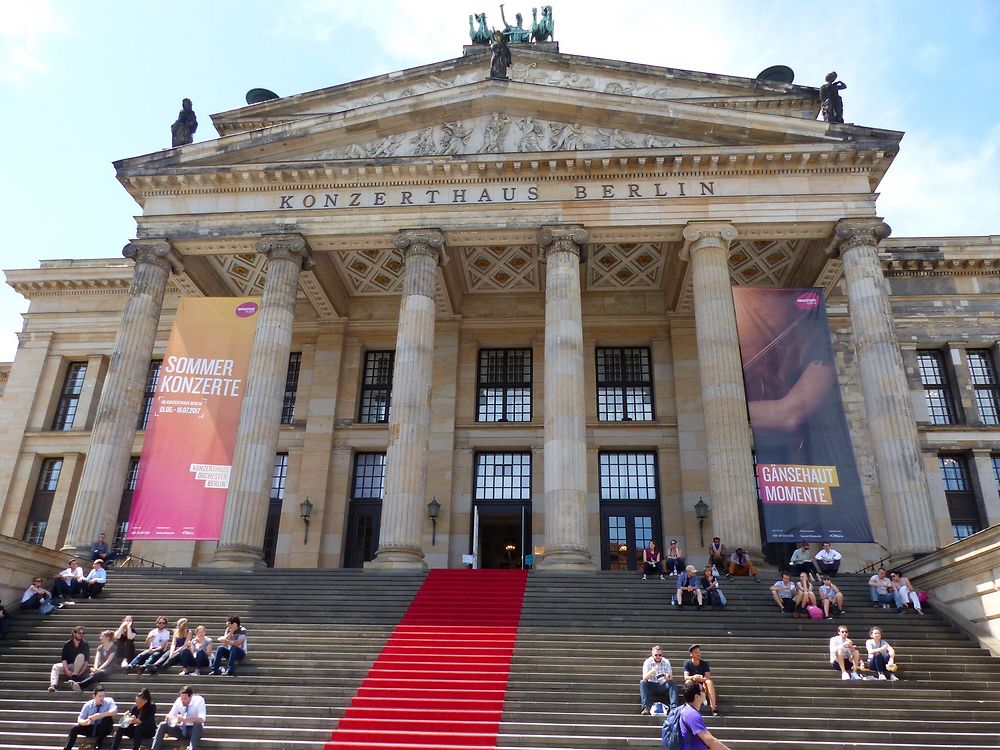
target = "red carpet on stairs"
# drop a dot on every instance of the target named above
(441, 679)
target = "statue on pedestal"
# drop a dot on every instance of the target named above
(184, 127)
(515, 34)
(500, 60)
(829, 94)
(542, 30)
(479, 34)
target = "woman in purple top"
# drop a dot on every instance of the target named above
(652, 561)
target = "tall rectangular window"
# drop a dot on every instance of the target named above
(121, 546)
(937, 388)
(624, 384)
(149, 392)
(41, 501)
(279, 478)
(504, 385)
(983, 372)
(376, 387)
(996, 468)
(503, 476)
(69, 397)
(962, 505)
(291, 387)
(628, 476)
(369, 476)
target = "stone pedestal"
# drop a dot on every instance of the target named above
(729, 446)
(404, 505)
(565, 415)
(241, 541)
(905, 497)
(103, 477)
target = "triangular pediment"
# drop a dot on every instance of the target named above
(540, 68)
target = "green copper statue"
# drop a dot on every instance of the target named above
(516, 34)
(542, 30)
(479, 34)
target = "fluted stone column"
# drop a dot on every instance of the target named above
(727, 429)
(241, 541)
(905, 498)
(400, 543)
(103, 479)
(565, 416)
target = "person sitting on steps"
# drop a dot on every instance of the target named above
(74, 663)
(105, 663)
(172, 653)
(831, 598)
(36, 597)
(197, 652)
(740, 564)
(157, 641)
(697, 670)
(688, 588)
(652, 561)
(711, 593)
(828, 560)
(675, 558)
(844, 655)
(139, 724)
(881, 656)
(657, 681)
(185, 720)
(801, 561)
(805, 597)
(881, 589)
(96, 719)
(783, 593)
(904, 594)
(718, 556)
(232, 647)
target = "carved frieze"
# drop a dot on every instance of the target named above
(499, 133)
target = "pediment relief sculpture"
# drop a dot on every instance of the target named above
(498, 133)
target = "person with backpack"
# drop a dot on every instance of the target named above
(684, 729)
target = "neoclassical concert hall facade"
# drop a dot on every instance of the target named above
(511, 299)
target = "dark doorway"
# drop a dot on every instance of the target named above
(625, 530)
(503, 535)
(361, 541)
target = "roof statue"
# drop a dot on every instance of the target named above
(479, 34)
(500, 60)
(516, 34)
(184, 127)
(542, 30)
(829, 94)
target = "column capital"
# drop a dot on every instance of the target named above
(701, 234)
(570, 238)
(156, 251)
(289, 246)
(855, 232)
(429, 242)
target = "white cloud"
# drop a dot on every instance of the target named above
(940, 187)
(24, 29)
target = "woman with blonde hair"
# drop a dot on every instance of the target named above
(804, 594)
(197, 652)
(172, 655)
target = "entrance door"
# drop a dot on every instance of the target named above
(625, 530)
(503, 534)
(361, 541)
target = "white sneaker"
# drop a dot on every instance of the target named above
(845, 676)
(882, 677)
(855, 676)
(893, 678)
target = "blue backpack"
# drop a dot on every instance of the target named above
(671, 732)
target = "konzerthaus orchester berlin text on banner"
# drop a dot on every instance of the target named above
(502, 311)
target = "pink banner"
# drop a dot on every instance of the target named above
(188, 451)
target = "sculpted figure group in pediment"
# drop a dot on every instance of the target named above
(499, 133)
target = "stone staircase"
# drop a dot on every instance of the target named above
(574, 677)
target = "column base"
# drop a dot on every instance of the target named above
(236, 559)
(571, 559)
(80, 552)
(398, 558)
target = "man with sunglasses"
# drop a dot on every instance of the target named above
(844, 655)
(75, 662)
(657, 681)
(36, 596)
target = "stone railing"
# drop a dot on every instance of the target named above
(20, 562)
(963, 582)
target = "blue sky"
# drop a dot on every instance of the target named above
(83, 84)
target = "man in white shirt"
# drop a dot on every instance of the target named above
(844, 655)
(657, 680)
(828, 560)
(96, 719)
(67, 583)
(185, 719)
(156, 641)
(95, 581)
(881, 588)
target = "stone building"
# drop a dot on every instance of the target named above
(535, 274)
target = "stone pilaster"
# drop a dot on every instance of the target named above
(405, 501)
(727, 430)
(103, 479)
(241, 540)
(565, 415)
(905, 497)
(988, 488)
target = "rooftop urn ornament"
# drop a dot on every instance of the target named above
(479, 34)
(829, 94)
(184, 127)
(500, 59)
(542, 30)
(516, 34)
